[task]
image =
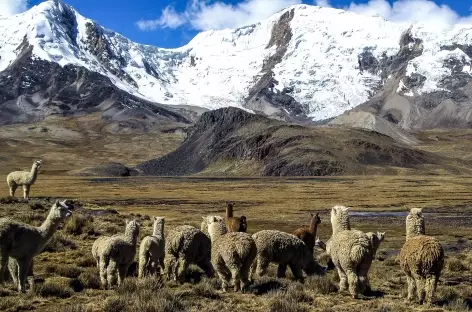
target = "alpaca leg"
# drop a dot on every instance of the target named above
(207, 267)
(23, 269)
(103, 273)
(297, 272)
(411, 287)
(122, 270)
(162, 265)
(13, 188)
(170, 263)
(25, 191)
(342, 280)
(262, 265)
(281, 269)
(13, 269)
(364, 285)
(143, 263)
(182, 269)
(112, 269)
(420, 288)
(353, 281)
(3, 264)
(223, 273)
(245, 268)
(431, 284)
(235, 269)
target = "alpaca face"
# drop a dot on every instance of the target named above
(316, 218)
(380, 236)
(60, 210)
(242, 224)
(37, 164)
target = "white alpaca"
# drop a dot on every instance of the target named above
(152, 250)
(22, 242)
(23, 178)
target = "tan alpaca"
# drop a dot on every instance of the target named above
(23, 242)
(421, 258)
(23, 178)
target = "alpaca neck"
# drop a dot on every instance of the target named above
(229, 211)
(33, 173)
(414, 228)
(158, 229)
(131, 237)
(216, 231)
(313, 227)
(341, 225)
(48, 228)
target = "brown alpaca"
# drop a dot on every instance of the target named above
(308, 235)
(234, 224)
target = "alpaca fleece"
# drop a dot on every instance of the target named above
(23, 242)
(152, 250)
(283, 249)
(187, 245)
(421, 258)
(231, 253)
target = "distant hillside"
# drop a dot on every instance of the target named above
(232, 141)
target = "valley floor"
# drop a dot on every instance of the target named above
(379, 203)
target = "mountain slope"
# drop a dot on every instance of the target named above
(232, 141)
(304, 63)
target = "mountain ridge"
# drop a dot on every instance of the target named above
(299, 65)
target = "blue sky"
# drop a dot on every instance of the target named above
(174, 23)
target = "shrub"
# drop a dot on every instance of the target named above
(206, 289)
(321, 284)
(59, 242)
(455, 265)
(86, 261)
(280, 302)
(36, 206)
(77, 308)
(63, 270)
(79, 224)
(90, 279)
(53, 288)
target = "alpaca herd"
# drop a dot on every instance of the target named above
(222, 246)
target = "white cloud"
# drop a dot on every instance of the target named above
(322, 3)
(206, 14)
(11, 7)
(201, 15)
(169, 19)
(423, 11)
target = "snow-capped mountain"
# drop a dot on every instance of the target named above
(303, 63)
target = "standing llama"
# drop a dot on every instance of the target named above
(308, 235)
(232, 253)
(116, 254)
(350, 250)
(23, 178)
(234, 224)
(421, 258)
(23, 242)
(152, 250)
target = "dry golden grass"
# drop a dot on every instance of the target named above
(71, 278)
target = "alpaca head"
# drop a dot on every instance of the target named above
(37, 164)
(132, 228)
(340, 218)
(216, 226)
(415, 223)
(315, 219)
(60, 210)
(319, 243)
(242, 224)
(159, 224)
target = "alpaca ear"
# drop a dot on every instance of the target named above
(203, 218)
(57, 203)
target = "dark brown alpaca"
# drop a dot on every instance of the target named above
(234, 224)
(308, 235)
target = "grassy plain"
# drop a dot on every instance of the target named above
(378, 203)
